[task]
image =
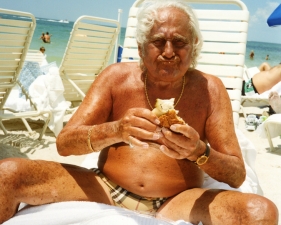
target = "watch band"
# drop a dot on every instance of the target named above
(203, 158)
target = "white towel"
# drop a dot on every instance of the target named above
(47, 92)
(84, 213)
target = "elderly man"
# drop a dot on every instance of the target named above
(141, 165)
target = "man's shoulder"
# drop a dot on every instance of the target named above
(121, 69)
(198, 74)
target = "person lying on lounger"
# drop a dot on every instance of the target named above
(263, 80)
(143, 166)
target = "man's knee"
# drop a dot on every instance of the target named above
(10, 173)
(262, 210)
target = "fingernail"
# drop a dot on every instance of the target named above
(158, 129)
(173, 127)
(162, 148)
(156, 136)
(164, 129)
(157, 121)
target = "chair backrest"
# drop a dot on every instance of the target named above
(224, 26)
(16, 31)
(88, 52)
(35, 56)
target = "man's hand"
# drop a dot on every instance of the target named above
(183, 142)
(139, 124)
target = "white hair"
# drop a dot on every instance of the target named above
(148, 14)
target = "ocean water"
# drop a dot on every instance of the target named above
(261, 50)
(61, 31)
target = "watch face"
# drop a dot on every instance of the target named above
(203, 159)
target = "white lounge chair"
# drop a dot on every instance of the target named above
(36, 56)
(257, 100)
(16, 31)
(270, 128)
(88, 52)
(223, 31)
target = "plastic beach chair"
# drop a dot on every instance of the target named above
(88, 52)
(35, 56)
(16, 31)
(272, 129)
(223, 30)
(256, 100)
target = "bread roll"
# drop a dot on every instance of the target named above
(164, 109)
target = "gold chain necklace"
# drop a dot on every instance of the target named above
(183, 84)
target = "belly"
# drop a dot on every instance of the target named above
(149, 172)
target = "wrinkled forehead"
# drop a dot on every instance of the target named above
(172, 13)
(171, 21)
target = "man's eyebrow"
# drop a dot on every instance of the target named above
(156, 36)
(175, 37)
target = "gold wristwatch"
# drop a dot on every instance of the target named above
(203, 158)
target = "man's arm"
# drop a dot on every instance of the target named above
(225, 162)
(91, 127)
(94, 109)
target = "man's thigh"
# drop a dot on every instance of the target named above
(40, 182)
(214, 206)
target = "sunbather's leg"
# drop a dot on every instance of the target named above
(275, 101)
(220, 207)
(40, 182)
(265, 80)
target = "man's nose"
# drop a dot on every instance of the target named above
(168, 50)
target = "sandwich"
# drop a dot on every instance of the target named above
(164, 110)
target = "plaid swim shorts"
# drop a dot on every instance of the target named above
(125, 199)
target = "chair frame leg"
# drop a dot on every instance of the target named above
(269, 137)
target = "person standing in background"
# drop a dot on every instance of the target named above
(252, 54)
(47, 37)
(42, 37)
(267, 57)
(42, 49)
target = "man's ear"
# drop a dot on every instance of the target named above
(140, 50)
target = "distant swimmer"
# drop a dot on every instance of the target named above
(47, 38)
(42, 37)
(267, 57)
(252, 54)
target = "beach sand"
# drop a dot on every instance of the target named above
(19, 143)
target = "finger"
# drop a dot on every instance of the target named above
(170, 153)
(144, 124)
(176, 138)
(144, 134)
(183, 152)
(179, 143)
(185, 135)
(186, 130)
(146, 114)
(135, 142)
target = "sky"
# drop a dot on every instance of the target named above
(72, 9)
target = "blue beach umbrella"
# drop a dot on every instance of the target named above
(275, 18)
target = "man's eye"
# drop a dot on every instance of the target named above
(158, 42)
(179, 43)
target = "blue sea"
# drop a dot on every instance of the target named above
(60, 34)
